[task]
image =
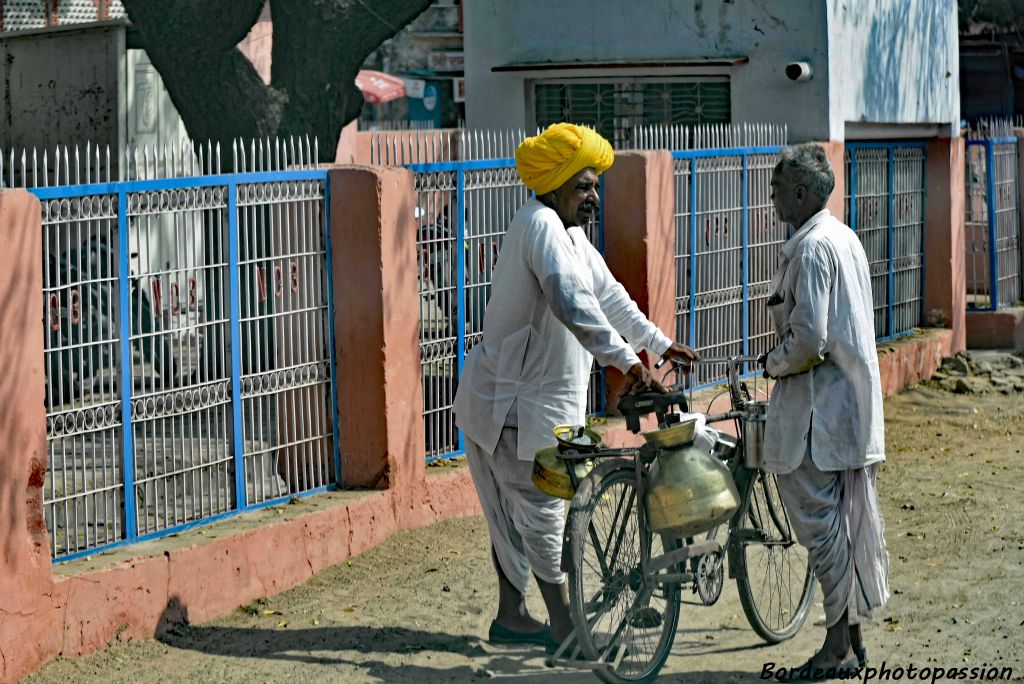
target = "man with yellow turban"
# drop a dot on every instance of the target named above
(554, 308)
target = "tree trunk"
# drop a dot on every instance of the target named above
(319, 46)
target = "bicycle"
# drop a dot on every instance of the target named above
(626, 583)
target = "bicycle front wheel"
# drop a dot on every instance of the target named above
(774, 578)
(613, 606)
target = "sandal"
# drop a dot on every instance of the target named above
(503, 636)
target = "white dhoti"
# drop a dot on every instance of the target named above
(525, 524)
(835, 514)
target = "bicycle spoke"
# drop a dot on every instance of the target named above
(775, 581)
(610, 600)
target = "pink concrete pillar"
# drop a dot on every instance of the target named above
(945, 288)
(376, 324)
(1019, 133)
(835, 150)
(640, 239)
(26, 579)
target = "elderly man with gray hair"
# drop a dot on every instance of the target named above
(825, 435)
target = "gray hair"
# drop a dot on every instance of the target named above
(810, 165)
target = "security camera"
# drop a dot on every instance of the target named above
(798, 71)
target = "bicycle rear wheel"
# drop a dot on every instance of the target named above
(774, 578)
(609, 599)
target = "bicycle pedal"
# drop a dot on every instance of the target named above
(645, 618)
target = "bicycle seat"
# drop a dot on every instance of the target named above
(632, 406)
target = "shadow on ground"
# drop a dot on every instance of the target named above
(333, 646)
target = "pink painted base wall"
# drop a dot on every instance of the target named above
(908, 361)
(996, 329)
(139, 597)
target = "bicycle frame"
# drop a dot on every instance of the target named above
(758, 520)
(659, 568)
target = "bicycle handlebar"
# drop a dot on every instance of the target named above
(632, 406)
(737, 391)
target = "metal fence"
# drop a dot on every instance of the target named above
(189, 358)
(992, 217)
(727, 239)
(467, 194)
(885, 184)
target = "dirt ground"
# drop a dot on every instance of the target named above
(416, 608)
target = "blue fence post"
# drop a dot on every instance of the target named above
(131, 523)
(460, 281)
(745, 258)
(333, 370)
(891, 234)
(993, 255)
(693, 253)
(234, 292)
(853, 189)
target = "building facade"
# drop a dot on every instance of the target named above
(829, 69)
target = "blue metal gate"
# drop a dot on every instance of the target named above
(463, 209)
(189, 350)
(993, 230)
(727, 241)
(885, 206)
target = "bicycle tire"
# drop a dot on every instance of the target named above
(770, 572)
(607, 593)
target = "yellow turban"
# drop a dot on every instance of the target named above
(547, 161)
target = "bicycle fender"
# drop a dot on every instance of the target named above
(591, 482)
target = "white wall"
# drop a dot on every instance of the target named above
(770, 33)
(893, 62)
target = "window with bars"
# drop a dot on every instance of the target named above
(615, 106)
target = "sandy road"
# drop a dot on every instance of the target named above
(415, 608)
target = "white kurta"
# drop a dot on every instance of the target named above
(554, 307)
(829, 388)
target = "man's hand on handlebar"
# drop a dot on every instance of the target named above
(680, 355)
(639, 379)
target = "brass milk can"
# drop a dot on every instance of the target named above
(689, 491)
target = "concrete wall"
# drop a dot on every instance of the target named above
(770, 34)
(69, 86)
(893, 62)
(62, 87)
